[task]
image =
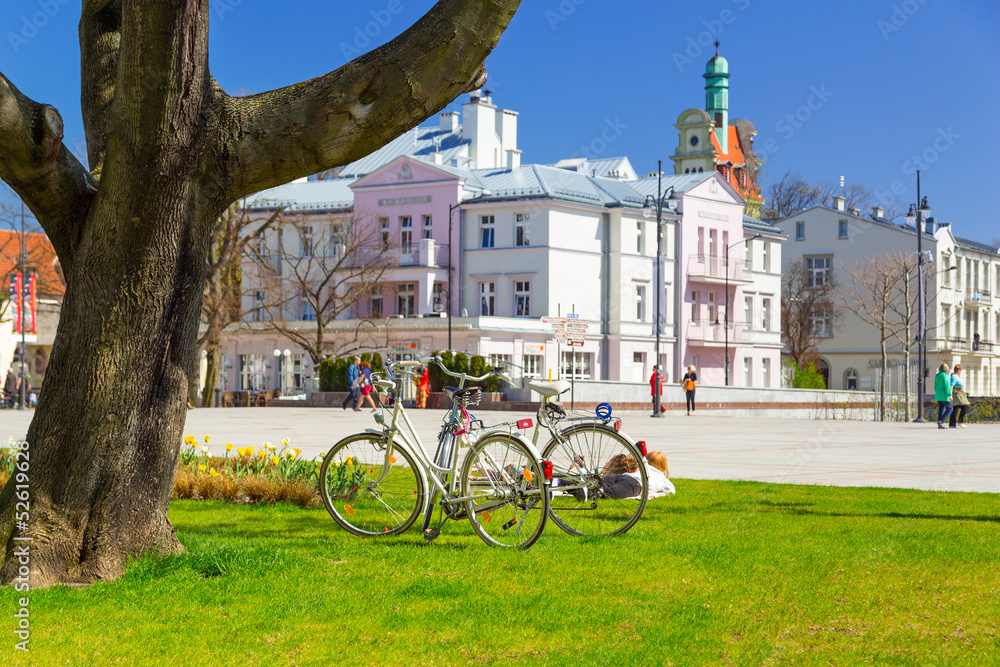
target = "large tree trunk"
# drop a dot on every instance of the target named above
(105, 438)
(172, 150)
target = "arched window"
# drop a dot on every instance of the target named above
(851, 380)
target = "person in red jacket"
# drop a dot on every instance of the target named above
(423, 386)
(652, 387)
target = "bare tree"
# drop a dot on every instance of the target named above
(168, 151)
(316, 277)
(809, 310)
(869, 293)
(904, 309)
(236, 235)
(790, 195)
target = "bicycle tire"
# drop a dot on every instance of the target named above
(595, 514)
(509, 505)
(347, 486)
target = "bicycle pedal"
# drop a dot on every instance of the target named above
(432, 533)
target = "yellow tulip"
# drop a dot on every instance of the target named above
(275, 460)
(207, 438)
(201, 467)
(348, 461)
(296, 452)
(249, 451)
(289, 455)
(241, 452)
(211, 471)
(262, 454)
(229, 447)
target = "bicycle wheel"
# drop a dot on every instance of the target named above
(508, 503)
(581, 457)
(356, 498)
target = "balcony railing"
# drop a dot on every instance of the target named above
(710, 331)
(953, 343)
(983, 346)
(978, 297)
(712, 267)
(424, 253)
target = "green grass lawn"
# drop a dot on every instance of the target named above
(724, 573)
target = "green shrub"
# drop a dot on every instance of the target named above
(340, 374)
(326, 374)
(808, 377)
(377, 364)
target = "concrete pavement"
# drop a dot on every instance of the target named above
(841, 453)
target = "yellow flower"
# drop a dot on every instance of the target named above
(207, 438)
(201, 467)
(296, 453)
(348, 461)
(275, 460)
(229, 447)
(289, 455)
(286, 442)
(241, 451)
(211, 471)
(188, 439)
(249, 451)
(262, 454)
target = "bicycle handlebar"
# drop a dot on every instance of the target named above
(436, 360)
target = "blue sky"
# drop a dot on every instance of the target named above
(894, 85)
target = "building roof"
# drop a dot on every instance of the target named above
(613, 167)
(418, 142)
(41, 258)
(330, 195)
(753, 224)
(975, 245)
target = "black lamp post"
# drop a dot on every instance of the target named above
(662, 199)
(726, 268)
(917, 212)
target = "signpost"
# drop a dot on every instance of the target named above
(572, 331)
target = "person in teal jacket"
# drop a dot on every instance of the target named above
(942, 394)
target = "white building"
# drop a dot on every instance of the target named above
(961, 298)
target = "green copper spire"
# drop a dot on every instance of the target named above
(717, 96)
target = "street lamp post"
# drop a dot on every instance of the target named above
(23, 393)
(726, 268)
(917, 212)
(661, 200)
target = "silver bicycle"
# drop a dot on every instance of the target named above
(379, 481)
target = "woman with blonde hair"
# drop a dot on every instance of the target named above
(688, 382)
(959, 399)
(657, 475)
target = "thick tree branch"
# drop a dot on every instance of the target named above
(43, 172)
(100, 39)
(273, 137)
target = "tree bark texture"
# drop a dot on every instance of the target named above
(168, 152)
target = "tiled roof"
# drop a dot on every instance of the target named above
(41, 257)
(756, 225)
(975, 245)
(418, 142)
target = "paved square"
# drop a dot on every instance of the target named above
(794, 451)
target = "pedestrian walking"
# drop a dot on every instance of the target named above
(353, 385)
(657, 371)
(689, 382)
(366, 385)
(10, 389)
(942, 394)
(423, 386)
(959, 399)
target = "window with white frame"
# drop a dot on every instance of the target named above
(406, 234)
(532, 366)
(296, 374)
(251, 372)
(258, 314)
(694, 306)
(800, 231)
(640, 237)
(521, 229)
(747, 379)
(712, 315)
(384, 224)
(522, 298)
(819, 324)
(765, 372)
(428, 226)
(501, 362)
(819, 271)
(306, 310)
(748, 311)
(851, 380)
(486, 299)
(336, 240)
(487, 230)
(767, 257)
(576, 365)
(640, 303)
(748, 254)
(307, 241)
(404, 299)
(765, 314)
(438, 298)
(842, 229)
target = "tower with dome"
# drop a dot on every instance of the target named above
(709, 140)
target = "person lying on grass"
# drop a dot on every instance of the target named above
(620, 478)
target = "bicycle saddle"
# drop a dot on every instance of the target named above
(549, 389)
